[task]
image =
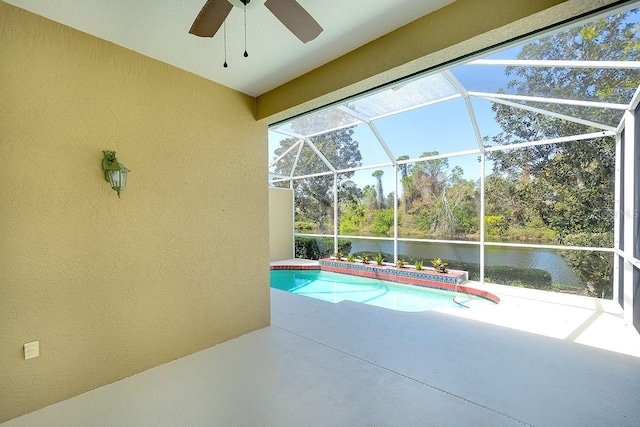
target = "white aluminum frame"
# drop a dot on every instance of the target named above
(629, 209)
(513, 101)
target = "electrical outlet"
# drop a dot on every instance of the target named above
(31, 350)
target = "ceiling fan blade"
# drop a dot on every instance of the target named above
(210, 18)
(295, 18)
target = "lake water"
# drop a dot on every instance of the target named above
(544, 259)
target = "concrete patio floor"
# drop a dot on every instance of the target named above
(535, 359)
(590, 321)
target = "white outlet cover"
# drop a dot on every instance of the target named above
(31, 350)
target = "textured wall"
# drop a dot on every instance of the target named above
(280, 224)
(109, 286)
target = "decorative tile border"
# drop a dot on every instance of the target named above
(453, 277)
(295, 267)
(450, 281)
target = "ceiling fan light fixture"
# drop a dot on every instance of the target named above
(225, 65)
(245, 27)
(250, 4)
(289, 12)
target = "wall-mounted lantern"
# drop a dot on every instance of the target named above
(114, 172)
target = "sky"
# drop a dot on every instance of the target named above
(444, 127)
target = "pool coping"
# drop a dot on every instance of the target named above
(451, 281)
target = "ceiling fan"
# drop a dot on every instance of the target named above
(289, 12)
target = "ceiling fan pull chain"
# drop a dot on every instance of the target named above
(224, 29)
(245, 30)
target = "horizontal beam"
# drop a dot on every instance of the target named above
(561, 101)
(553, 63)
(550, 113)
(570, 138)
(454, 31)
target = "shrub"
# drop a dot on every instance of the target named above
(382, 221)
(439, 265)
(594, 268)
(379, 259)
(305, 226)
(505, 275)
(368, 255)
(521, 277)
(348, 226)
(319, 247)
(496, 225)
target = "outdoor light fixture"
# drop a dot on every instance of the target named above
(114, 172)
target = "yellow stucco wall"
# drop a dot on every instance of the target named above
(280, 224)
(109, 286)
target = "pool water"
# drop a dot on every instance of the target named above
(335, 287)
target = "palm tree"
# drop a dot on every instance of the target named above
(378, 175)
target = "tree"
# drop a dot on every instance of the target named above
(432, 175)
(350, 211)
(593, 268)
(464, 201)
(438, 201)
(378, 176)
(569, 186)
(409, 191)
(382, 221)
(348, 192)
(505, 197)
(314, 196)
(369, 197)
(403, 167)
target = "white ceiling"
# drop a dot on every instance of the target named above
(160, 29)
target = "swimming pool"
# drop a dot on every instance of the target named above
(335, 287)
